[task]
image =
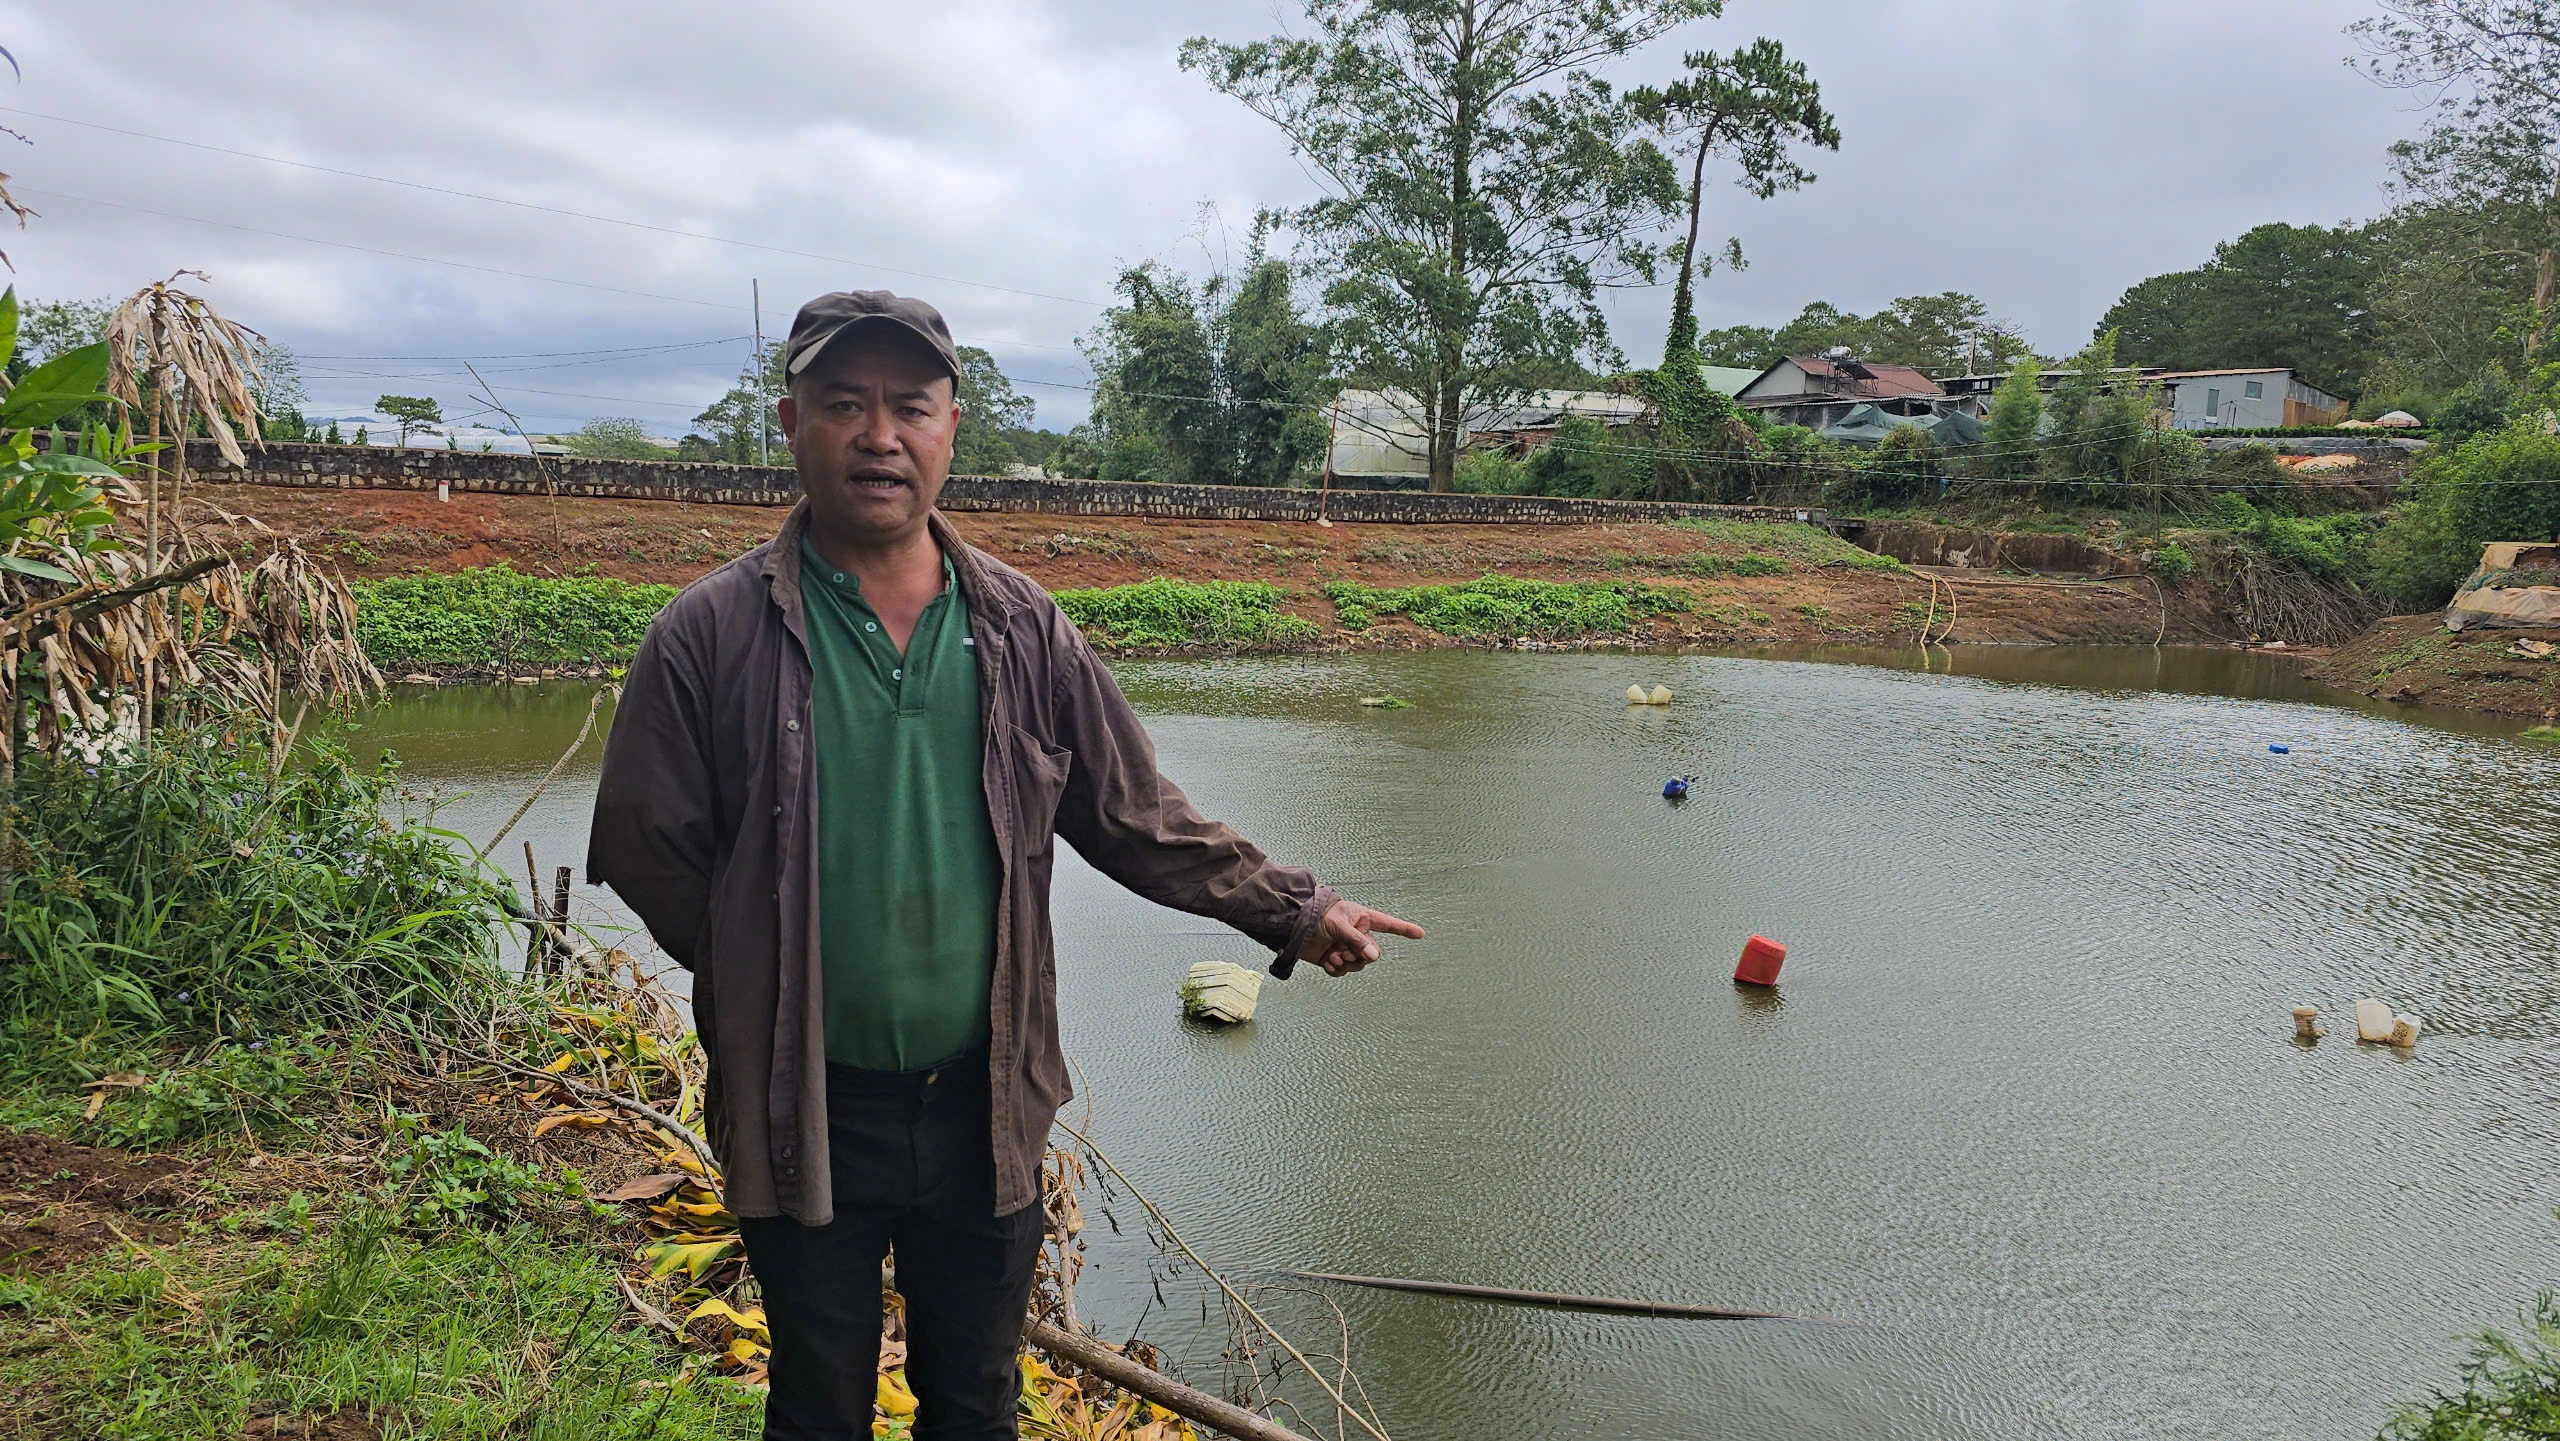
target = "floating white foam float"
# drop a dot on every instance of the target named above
(2373, 1020)
(1220, 991)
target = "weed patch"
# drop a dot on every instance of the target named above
(497, 617)
(1507, 607)
(1166, 614)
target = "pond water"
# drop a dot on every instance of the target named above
(2024, 1114)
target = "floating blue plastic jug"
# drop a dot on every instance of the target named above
(2281, 750)
(1674, 788)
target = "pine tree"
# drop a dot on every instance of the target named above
(334, 437)
(360, 436)
(2009, 433)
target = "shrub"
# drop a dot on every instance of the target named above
(1166, 614)
(2416, 559)
(2504, 485)
(1903, 468)
(2510, 1388)
(1502, 607)
(1490, 472)
(497, 617)
(2231, 511)
(2171, 563)
(2484, 405)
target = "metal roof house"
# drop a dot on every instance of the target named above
(2245, 399)
(1976, 390)
(1817, 390)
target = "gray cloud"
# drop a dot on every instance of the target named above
(2041, 156)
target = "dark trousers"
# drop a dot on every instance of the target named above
(914, 1170)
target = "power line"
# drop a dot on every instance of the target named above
(543, 354)
(548, 209)
(375, 250)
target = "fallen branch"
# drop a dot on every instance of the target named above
(1188, 1402)
(678, 1129)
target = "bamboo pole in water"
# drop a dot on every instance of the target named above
(1556, 1300)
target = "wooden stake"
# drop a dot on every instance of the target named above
(560, 917)
(537, 941)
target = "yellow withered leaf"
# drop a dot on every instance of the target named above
(744, 1351)
(693, 1257)
(751, 1321)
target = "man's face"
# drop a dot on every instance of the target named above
(871, 424)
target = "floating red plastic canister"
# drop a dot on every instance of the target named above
(1761, 958)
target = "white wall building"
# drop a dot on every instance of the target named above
(2245, 400)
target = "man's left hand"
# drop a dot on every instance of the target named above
(1344, 940)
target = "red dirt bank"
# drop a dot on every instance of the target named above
(388, 532)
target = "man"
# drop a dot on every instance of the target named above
(830, 792)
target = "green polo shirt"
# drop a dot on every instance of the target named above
(907, 867)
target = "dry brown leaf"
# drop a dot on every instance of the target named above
(646, 1188)
(558, 1119)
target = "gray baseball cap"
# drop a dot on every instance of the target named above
(823, 319)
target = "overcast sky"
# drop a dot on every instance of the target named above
(1003, 158)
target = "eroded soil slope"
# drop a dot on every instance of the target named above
(1814, 597)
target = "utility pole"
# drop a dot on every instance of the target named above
(755, 295)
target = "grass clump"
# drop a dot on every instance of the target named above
(1167, 614)
(197, 897)
(495, 617)
(465, 1333)
(1500, 607)
(2543, 733)
(1773, 547)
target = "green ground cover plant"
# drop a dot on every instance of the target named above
(457, 1332)
(497, 617)
(1167, 614)
(1500, 607)
(1792, 546)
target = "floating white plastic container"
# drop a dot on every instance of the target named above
(1661, 696)
(2306, 1023)
(2373, 1020)
(2404, 1030)
(1636, 696)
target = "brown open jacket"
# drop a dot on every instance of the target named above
(706, 825)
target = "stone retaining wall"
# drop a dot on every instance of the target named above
(351, 467)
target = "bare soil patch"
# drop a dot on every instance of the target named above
(2414, 658)
(59, 1201)
(343, 1423)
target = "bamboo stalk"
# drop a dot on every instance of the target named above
(1187, 1402)
(1558, 1301)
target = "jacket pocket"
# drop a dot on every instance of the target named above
(1039, 783)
